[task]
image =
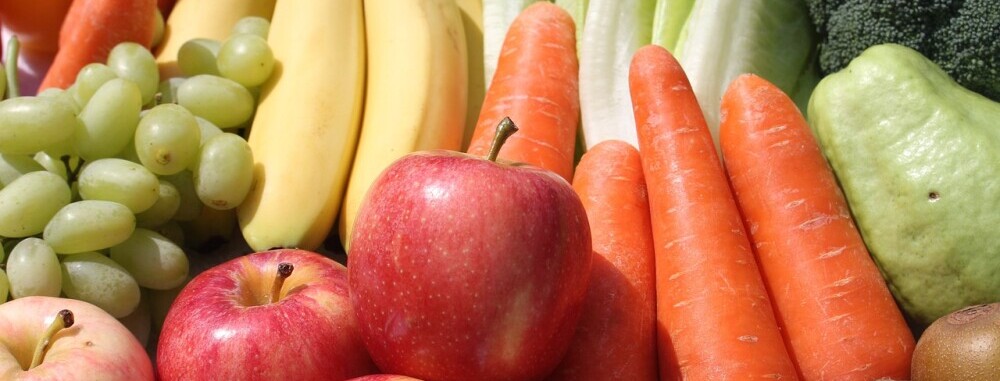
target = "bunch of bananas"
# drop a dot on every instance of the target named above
(357, 85)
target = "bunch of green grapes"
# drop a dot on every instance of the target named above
(101, 182)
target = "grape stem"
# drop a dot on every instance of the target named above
(10, 67)
(71, 172)
(64, 319)
(505, 129)
(284, 271)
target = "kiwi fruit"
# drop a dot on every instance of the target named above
(963, 345)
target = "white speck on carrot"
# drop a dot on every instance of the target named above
(837, 318)
(748, 338)
(794, 203)
(816, 222)
(779, 144)
(842, 282)
(833, 252)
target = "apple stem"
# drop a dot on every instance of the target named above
(505, 129)
(64, 319)
(284, 271)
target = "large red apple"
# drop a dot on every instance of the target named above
(255, 318)
(462, 268)
(93, 346)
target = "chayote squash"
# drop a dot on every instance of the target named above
(918, 158)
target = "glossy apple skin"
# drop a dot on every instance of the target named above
(465, 269)
(96, 347)
(220, 328)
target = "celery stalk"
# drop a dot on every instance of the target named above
(614, 30)
(725, 38)
(497, 17)
(668, 21)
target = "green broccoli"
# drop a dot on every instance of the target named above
(961, 36)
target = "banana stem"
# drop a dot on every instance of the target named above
(284, 271)
(10, 67)
(505, 129)
(64, 319)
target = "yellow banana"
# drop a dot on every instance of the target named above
(472, 18)
(212, 19)
(415, 97)
(305, 130)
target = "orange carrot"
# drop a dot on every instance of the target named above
(838, 318)
(91, 29)
(616, 336)
(714, 317)
(536, 85)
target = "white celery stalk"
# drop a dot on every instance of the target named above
(668, 21)
(614, 30)
(725, 38)
(497, 17)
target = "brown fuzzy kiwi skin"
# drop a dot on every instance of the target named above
(963, 345)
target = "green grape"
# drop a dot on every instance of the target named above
(197, 56)
(167, 139)
(3, 252)
(4, 286)
(50, 92)
(90, 79)
(190, 207)
(129, 153)
(108, 121)
(135, 63)
(153, 260)
(246, 59)
(225, 171)
(66, 97)
(219, 100)
(252, 25)
(9, 244)
(28, 203)
(89, 225)
(51, 163)
(33, 269)
(14, 166)
(168, 90)
(172, 231)
(208, 131)
(167, 203)
(158, 27)
(32, 124)
(98, 280)
(121, 181)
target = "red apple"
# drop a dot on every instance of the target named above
(243, 320)
(462, 268)
(92, 346)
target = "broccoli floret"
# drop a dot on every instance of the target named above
(961, 36)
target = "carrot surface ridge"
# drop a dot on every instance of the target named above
(714, 318)
(838, 317)
(536, 84)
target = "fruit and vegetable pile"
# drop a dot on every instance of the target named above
(500, 190)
